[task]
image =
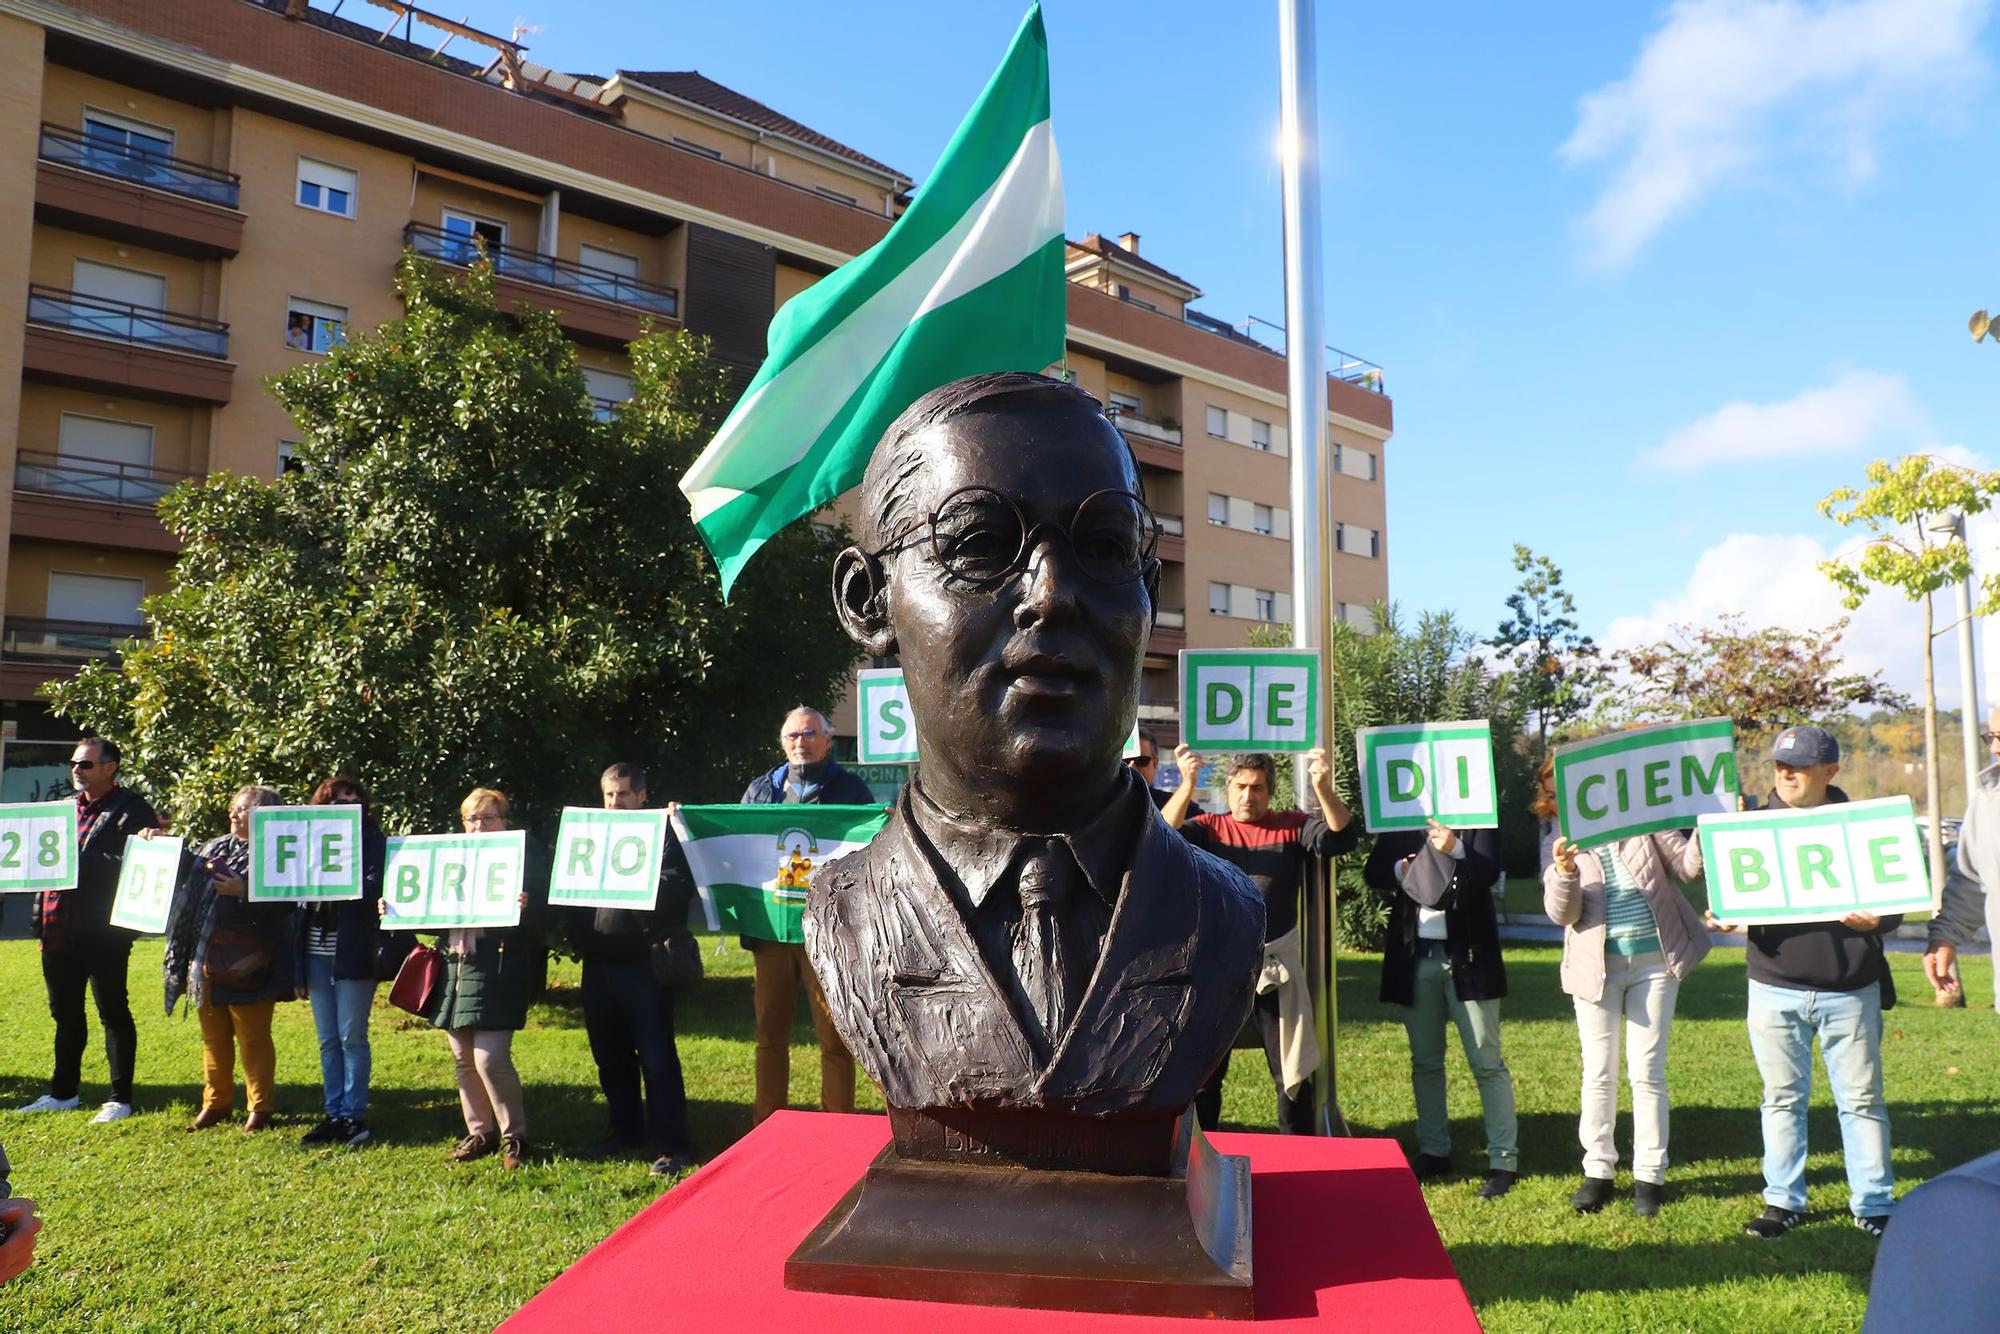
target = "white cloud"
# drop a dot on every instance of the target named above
(1859, 409)
(1724, 85)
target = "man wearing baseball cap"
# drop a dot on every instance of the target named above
(1826, 980)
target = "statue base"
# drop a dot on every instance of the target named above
(986, 1234)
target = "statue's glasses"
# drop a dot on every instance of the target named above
(979, 537)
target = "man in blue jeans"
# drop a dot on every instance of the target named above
(1826, 980)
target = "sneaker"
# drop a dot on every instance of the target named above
(326, 1132)
(670, 1165)
(473, 1146)
(1647, 1197)
(111, 1111)
(1592, 1195)
(1873, 1224)
(513, 1151)
(49, 1102)
(353, 1132)
(1498, 1182)
(1430, 1166)
(1774, 1222)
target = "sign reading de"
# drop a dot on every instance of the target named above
(1412, 773)
(305, 854)
(37, 846)
(1250, 699)
(1645, 780)
(1817, 864)
(608, 859)
(146, 879)
(454, 880)
(888, 728)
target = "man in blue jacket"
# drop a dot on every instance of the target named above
(808, 775)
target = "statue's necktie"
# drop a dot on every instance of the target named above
(1047, 876)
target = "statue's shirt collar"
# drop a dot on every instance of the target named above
(982, 857)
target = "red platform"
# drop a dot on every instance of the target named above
(1341, 1237)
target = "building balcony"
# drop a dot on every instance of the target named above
(127, 194)
(593, 304)
(33, 651)
(1173, 538)
(93, 343)
(1167, 432)
(1158, 709)
(1169, 632)
(95, 502)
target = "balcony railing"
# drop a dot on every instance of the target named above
(1172, 619)
(121, 320)
(107, 480)
(606, 409)
(74, 148)
(1171, 525)
(1146, 426)
(65, 643)
(529, 266)
(1157, 709)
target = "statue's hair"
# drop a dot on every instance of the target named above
(887, 509)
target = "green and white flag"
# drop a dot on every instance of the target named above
(754, 864)
(970, 279)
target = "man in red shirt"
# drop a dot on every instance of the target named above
(1272, 848)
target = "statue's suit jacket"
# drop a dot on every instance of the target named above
(921, 1010)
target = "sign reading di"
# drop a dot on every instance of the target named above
(1645, 780)
(146, 879)
(305, 854)
(608, 859)
(37, 846)
(1416, 772)
(1816, 865)
(434, 881)
(888, 730)
(1250, 699)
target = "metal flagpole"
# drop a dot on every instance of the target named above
(1305, 356)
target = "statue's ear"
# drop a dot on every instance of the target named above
(861, 601)
(1153, 588)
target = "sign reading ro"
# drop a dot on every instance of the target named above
(1645, 780)
(1817, 864)
(1250, 699)
(1415, 772)
(888, 728)
(608, 859)
(37, 846)
(146, 879)
(452, 880)
(305, 854)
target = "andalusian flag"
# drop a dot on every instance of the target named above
(970, 279)
(754, 864)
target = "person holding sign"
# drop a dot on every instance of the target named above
(336, 956)
(1971, 896)
(1827, 980)
(1272, 848)
(80, 947)
(234, 961)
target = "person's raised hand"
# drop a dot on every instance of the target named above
(1188, 763)
(1563, 854)
(1319, 772)
(1861, 921)
(1441, 838)
(1937, 965)
(19, 1221)
(1709, 920)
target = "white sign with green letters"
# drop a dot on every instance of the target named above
(438, 881)
(305, 854)
(1250, 699)
(37, 846)
(1816, 865)
(608, 859)
(1412, 773)
(888, 730)
(146, 879)
(1645, 780)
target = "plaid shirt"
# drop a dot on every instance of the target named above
(51, 906)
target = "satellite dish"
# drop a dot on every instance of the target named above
(1979, 324)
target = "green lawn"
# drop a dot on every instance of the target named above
(152, 1228)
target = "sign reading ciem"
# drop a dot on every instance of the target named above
(608, 859)
(1645, 780)
(1817, 864)
(1412, 773)
(37, 846)
(453, 880)
(888, 728)
(146, 877)
(305, 854)
(1250, 699)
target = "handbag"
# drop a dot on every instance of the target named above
(237, 960)
(417, 980)
(676, 961)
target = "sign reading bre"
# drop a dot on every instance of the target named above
(37, 846)
(434, 881)
(1250, 699)
(1817, 864)
(1412, 773)
(146, 879)
(608, 859)
(1645, 780)
(888, 730)
(305, 854)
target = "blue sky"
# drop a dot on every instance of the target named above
(1646, 280)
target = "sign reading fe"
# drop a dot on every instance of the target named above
(37, 846)
(435, 881)
(1412, 773)
(888, 728)
(608, 859)
(305, 854)
(1817, 864)
(1645, 780)
(1250, 699)
(146, 879)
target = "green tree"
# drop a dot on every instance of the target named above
(470, 580)
(1558, 669)
(1915, 547)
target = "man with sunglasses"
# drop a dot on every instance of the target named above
(1972, 890)
(1147, 765)
(80, 947)
(1025, 934)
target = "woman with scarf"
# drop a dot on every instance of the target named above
(233, 961)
